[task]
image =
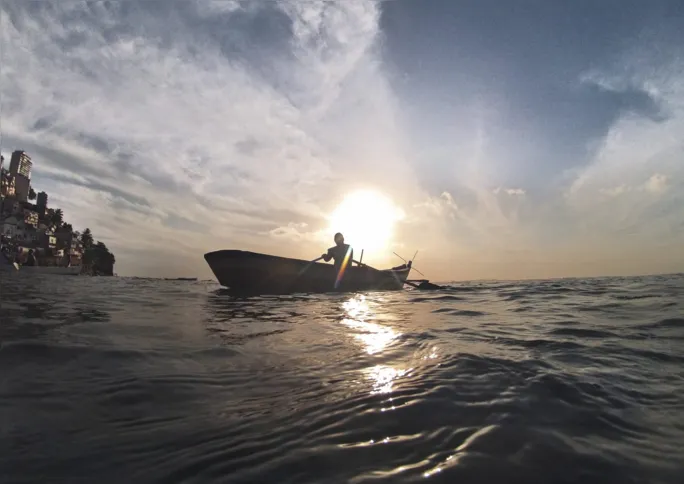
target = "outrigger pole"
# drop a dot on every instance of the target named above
(412, 260)
(418, 284)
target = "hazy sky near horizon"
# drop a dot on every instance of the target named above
(519, 139)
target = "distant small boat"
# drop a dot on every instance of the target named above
(254, 273)
(6, 265)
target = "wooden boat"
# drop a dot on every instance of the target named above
(54, 270)
(254, 273)
(6, 265)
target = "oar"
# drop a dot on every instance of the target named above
(306, 267)
(412, 284)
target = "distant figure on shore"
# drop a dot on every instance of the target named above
(66, 260)
(343, 255)
(30, 259)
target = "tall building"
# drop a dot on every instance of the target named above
(20, 164)
(41, 203)
(4, 180)
(22, 187)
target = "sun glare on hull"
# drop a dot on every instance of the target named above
(367, 220)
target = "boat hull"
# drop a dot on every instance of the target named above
(6, 265)
(56, 270)
(255, 273)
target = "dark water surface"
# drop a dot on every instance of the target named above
(112, 380)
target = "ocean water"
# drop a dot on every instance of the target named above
(113, 380)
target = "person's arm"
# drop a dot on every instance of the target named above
(327, 256)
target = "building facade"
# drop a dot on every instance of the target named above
(8, 227)
(22, 187)
(48, 241)
(31, 217)
(12, 206)
(41, 203)
(7, 184)
(20, 164)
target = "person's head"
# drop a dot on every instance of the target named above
(30, 251)
(339, 238)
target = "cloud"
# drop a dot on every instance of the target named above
(510, 191)
(615, 191)
(634, 167)
(656, 184)
(441, 205)
(298, 233)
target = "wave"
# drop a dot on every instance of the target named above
(583, 333)
(437, 299)
(459, 312)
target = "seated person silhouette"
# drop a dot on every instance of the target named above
(342, 254)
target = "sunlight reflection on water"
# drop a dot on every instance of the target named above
(383, 377)
(374, 338)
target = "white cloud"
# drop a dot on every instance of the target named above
(615, 191)
(510, 191)
(444, 204)
(622, 201)
(656, 184)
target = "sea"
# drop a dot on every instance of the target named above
(121, 380)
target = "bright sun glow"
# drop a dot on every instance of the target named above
(367, 219)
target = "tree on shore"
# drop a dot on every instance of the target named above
(31, 194)
(57, 218)
(99, 260)
(87, 239)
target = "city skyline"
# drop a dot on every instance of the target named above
(502, 141)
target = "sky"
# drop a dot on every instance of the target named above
(528, 139)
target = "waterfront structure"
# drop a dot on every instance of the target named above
(25, 226)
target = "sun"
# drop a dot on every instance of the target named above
(366, 218)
